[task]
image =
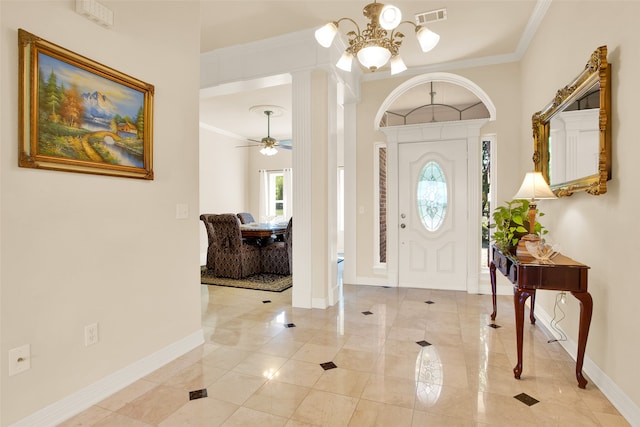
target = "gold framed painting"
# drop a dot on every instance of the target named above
(78, 115)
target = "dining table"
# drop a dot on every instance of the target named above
(262, 233)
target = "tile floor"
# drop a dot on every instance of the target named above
(400, 361)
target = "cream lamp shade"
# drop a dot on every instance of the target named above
(534, 187)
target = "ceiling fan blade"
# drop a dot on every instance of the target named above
(247, 146)
(285, 147)
(285, 142)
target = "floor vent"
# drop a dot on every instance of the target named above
(433, 16)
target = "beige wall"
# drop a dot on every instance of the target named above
(77, 248)
(597, 230)
(502, 85)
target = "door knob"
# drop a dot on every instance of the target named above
(402, 226)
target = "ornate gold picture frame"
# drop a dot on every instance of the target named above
(593, 84)
(78, 115)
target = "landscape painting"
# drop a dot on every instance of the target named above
(81, 116)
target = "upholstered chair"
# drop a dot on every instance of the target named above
(210, 235)
(232, 257)
(246, 217)
(276, 256)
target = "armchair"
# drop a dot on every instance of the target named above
(276, 257)
(231, 256)
(211, 236)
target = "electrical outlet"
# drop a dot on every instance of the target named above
(90, 334)
(19, 359)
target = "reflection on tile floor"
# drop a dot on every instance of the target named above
(262, 365)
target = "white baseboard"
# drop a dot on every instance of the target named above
(84, 398)
(627, 408)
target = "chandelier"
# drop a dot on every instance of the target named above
(379, 43)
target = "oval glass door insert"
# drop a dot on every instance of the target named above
(432, 196)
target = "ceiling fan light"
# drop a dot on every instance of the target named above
(345, 61)
(326, 34)
(373, 57)
(397, 65)
(427, 38)
(390, 17)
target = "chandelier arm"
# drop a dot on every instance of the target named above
(415, 27)
(337, 23)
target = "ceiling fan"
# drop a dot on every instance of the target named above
(268, 143)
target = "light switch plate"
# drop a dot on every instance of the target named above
(19, 359)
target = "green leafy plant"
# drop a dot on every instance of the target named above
(511, 222)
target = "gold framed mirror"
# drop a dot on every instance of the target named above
(572, 134)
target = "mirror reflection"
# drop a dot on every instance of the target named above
(574, 139)
(572, 134)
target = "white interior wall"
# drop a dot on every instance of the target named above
(78, 248)
(224, 179)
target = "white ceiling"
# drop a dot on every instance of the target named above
(475, 30)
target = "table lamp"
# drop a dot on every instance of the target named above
(534, 188)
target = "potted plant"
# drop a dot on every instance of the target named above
(511, 222)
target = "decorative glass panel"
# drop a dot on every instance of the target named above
(432, 196)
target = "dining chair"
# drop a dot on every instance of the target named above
(246, 217)
(211, 236)
(276, 256)
(232, 257)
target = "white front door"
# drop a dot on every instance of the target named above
(432, 209)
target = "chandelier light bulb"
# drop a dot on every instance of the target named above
(373, 57)
(375, 44)
(397, 65)
(390, 17)
(326, 34)
(427, 38)
(345, 61)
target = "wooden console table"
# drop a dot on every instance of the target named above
(527, 275)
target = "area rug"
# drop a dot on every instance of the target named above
(260, 282)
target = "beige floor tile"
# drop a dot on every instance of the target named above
(343, 381)
(282, 346)
(235, 387)
(226, 357)
(206, 411)
(315, 353)
(126, 395)
(260, 365)
(195, 377)
(245, 417)
(277, 398)
(299, 372)
(257, 371)
(422, 419)
(87, 418)
(119, 420)
(356, 360)
(155, 405)
(391, 390)
(375, 414)
(326, 409)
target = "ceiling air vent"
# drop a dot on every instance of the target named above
(432, 16)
